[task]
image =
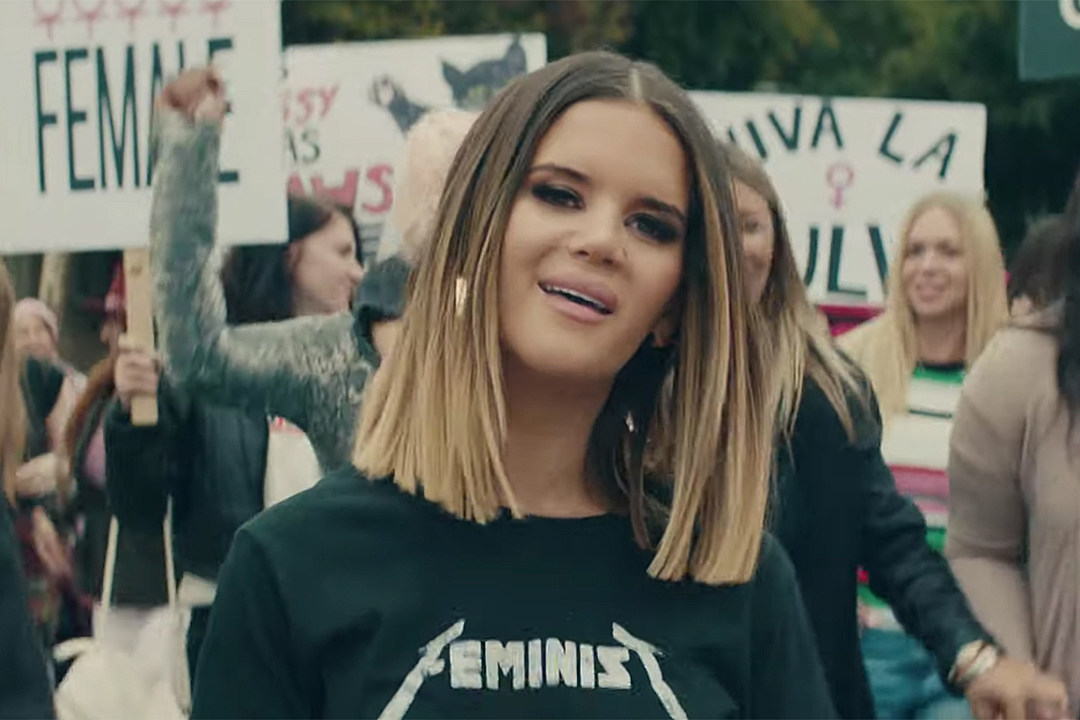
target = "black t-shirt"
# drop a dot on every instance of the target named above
(354, 599)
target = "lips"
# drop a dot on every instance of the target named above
(591, 295)
(928, 291)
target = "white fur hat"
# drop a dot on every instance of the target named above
(429, 149)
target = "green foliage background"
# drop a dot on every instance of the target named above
(946, 50)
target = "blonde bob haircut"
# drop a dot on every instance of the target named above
(887, 346)
(12, 419)
(797, 336)
(435, 418)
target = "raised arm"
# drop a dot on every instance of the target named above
(307, 370)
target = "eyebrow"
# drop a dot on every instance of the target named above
(648, 201)
(934, 240)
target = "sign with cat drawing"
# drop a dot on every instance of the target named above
(348, 106)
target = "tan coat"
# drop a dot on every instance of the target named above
(1014, 522)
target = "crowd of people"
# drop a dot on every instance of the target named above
(586, 446)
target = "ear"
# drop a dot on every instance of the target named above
(292, 256)
(452, 75)
(666, 329)
(515, 54)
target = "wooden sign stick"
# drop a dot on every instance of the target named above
(140, 324)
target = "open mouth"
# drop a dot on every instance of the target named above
(577, 297)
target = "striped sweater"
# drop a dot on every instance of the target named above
(916, 447)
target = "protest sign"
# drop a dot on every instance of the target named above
(79, 84)
(847, 170)
(348, 106)
(1049, 39)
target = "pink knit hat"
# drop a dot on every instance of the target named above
(429, 150)
(32, 307)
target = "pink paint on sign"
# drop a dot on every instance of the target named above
(839, 177)
(130, 12)
(90, 16)
(46, 17)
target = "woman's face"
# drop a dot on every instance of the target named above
(324, 269)
(933, 271)
(758, 238)
(32, 337)
(593, 251)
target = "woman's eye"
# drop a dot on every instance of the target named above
(751, 226)
(557, 196)
(654, 228)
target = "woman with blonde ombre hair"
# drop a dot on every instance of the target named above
(499, 517)
(24, 683)
(836, 508)
(946, 299)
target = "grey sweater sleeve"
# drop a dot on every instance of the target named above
(308, 370)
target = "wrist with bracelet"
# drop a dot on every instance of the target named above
(974, 660)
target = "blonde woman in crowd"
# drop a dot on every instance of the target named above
(498, 518)
(946, 299)
(1014, 472)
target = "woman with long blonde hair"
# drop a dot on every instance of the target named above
(836, 508)
(499, 518)
(24, 682)
(946, 299)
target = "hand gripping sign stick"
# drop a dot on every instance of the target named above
(140, 324)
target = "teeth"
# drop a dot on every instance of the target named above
(577, 297)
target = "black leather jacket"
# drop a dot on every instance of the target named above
(837, 509)
(210, 459)
(24, 685)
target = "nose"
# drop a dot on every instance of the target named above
(601, 239)
(929, 261)
(355, 272)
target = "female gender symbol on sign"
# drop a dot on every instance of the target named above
(89, 15)
(130, 12)
(47, 17)
(172, 10)
(840, 176)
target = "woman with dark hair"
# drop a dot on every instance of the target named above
(312, 371)
(1013, 469)
(24, 681)
(1038, 269)
(267, 283)
(221, 465)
